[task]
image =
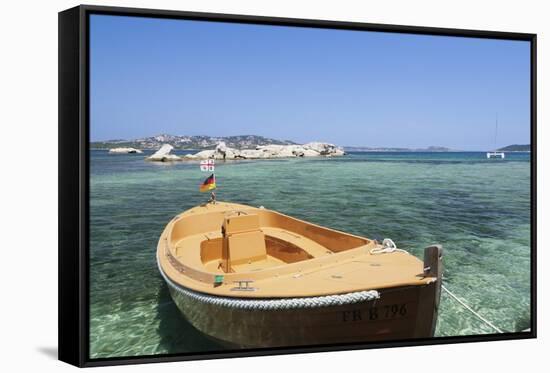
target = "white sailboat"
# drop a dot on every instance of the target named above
(495, 153)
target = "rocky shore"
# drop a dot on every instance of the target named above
(163, 154)
(125, 151)
(223, 152)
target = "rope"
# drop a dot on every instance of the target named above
(273, 304)
(487, 322)
(388, 247)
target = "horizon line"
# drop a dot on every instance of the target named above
(299, 143)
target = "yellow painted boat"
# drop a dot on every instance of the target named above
(253, 277)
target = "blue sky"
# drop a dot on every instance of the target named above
(150, 76)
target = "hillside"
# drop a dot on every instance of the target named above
(190, 142)
(382, 149)
(516, 148)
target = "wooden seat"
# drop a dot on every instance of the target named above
(243, 241)
(311, 247)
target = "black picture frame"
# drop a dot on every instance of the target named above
(74, 181)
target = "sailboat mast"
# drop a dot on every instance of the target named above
(495, 153)
(496, 130)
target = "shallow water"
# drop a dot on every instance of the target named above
(478, 209)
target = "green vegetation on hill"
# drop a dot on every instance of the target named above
(190, 142)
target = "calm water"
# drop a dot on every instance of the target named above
(479, 210)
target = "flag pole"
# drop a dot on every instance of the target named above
(210, 183)
(213, 194)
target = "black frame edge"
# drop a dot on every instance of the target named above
(70, 295)
(305, 22)
(534, 185)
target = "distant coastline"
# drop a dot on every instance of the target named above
(516, 148)
(431, 149)
(195, 143)
(199, 143)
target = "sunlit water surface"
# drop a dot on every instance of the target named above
(478, 209)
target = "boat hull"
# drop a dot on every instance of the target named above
(310, 285)
(394, 316)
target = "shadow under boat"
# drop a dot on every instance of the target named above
(177, 335)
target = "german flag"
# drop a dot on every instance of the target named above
(208, 184)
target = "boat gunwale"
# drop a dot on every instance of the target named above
(175, 219)
(275, 270)
(225, 301)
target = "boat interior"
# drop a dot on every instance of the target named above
(239, 241)
(212, 247)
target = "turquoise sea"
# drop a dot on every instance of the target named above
(478, 209)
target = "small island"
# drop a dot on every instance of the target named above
(125, 151)
(224, 152)
(221, 148)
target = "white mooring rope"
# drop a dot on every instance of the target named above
(389, 247)
(487, 322)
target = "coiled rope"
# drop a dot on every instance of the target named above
(487, 322)
(273, 304)
(389, 247)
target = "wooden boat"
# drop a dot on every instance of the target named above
(253, 277)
